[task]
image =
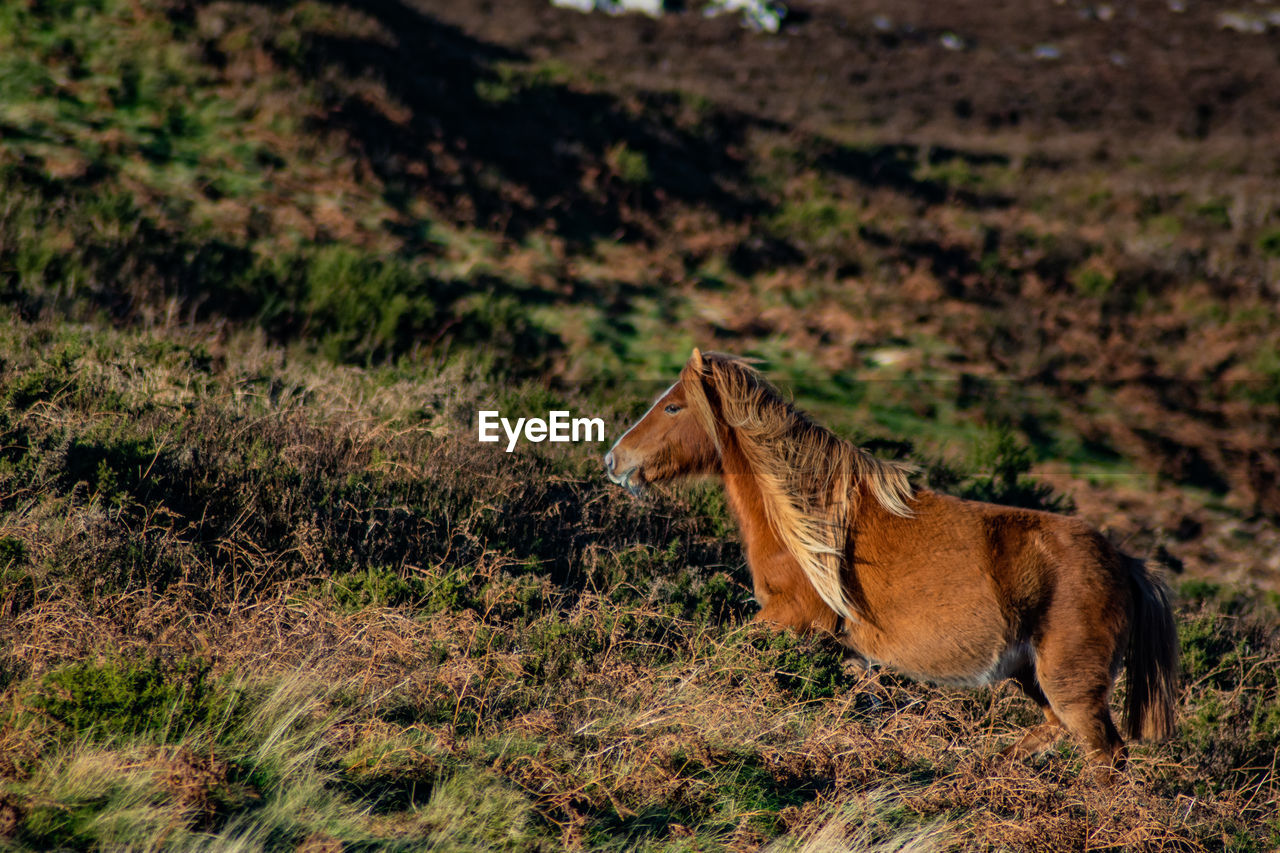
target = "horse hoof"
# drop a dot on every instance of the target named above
(1036, 741)
(1104, 775)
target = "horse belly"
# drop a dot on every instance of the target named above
(945, 663)
(956, 639)
(942, 592)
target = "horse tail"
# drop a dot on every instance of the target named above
(1153, 657)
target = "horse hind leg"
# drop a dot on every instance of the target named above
(1077, 682)
(1105, 751)
(1038, 738)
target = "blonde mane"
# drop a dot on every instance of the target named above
(808, 477)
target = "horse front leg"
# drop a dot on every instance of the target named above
(786, 611)
(1039, 738)
(781, 611)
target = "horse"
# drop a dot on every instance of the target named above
(940, 588)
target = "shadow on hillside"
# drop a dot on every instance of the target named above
(893, 165)
(516, 153)
(521, 152)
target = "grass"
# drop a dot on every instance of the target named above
(259, 589)
(247, 670)
(293, 761)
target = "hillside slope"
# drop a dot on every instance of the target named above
(261, 262)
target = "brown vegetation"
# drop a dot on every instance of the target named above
(261, 261)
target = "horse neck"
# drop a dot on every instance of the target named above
(746, 501)
(746, 497)
(784, 593)
(863, 510)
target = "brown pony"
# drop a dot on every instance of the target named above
(948, 590)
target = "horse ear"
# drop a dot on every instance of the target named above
(698, 382)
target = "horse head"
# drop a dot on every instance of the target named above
(670, 440)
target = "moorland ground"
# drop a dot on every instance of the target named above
(261, 262)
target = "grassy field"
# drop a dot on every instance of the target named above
(260, 588)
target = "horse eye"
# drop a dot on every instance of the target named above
(672, 409)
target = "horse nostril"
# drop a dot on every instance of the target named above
(608, 461)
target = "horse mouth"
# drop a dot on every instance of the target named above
(628, 480)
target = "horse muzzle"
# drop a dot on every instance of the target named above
(630, 479)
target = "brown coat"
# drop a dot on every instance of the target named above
(942, 589)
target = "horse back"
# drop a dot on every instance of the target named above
(960, 585)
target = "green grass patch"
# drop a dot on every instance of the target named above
(119, 699)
